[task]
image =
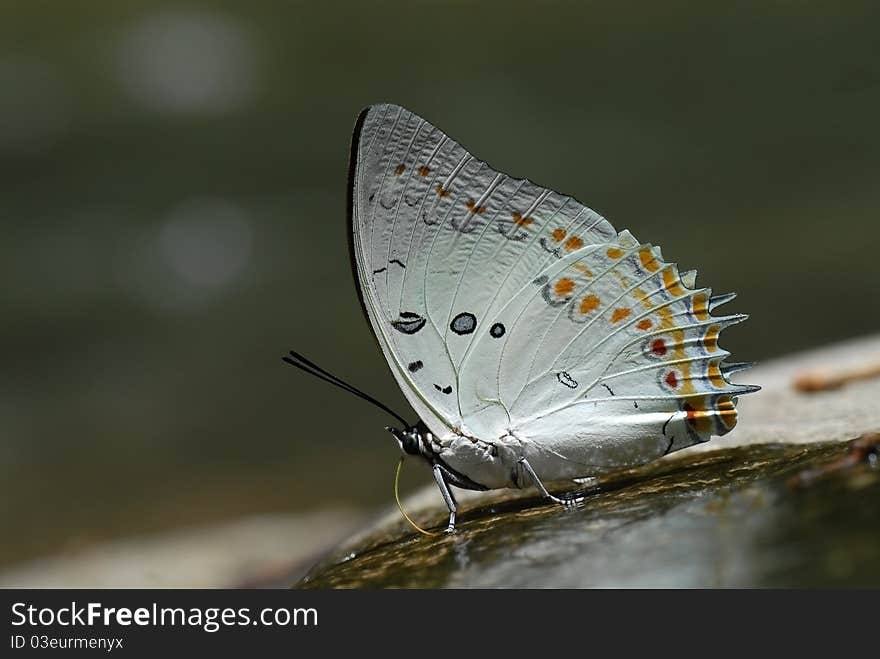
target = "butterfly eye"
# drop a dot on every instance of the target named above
(407, 439)
(410, 443)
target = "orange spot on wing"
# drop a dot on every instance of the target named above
(715, 376)
(584, 270)
(400, 169)
(702, 416)
(622, 278)
(700, 420)
(671, 379)
(619, 314)
(644, 324)
(671, 283)
(649, 261)
(666, 321)
(614, 253)
(700, 303)
(726, 412)
(424, 171)
(589, 303)
(679, 352)
(441, 191)
(521, 221)
(644, 298)
(473, 208)
(564, 286)
(574, 243)
(658, 347)
(710, 341)
(558, 235)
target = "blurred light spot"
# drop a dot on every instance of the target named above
(207, 242)
(33, 110)
(188, 62)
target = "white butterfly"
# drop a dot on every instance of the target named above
(535, 342)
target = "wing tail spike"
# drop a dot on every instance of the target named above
(733, 319)
(626, 240)
(717, 300)
(689, 279)
(729, 369)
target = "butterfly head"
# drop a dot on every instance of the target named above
(409, 439)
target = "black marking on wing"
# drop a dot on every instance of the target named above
(463, 323)
(384, 268)
(548, 248)
(510, 230)
(415, 366)
(666, 424)
(548, 295)
(669, 448)
(408, 323)
(608, 388)
(446, 390)
(566, 380)
(497, 330)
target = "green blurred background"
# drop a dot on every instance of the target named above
(172, 197)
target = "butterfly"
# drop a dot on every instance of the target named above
(535, 342)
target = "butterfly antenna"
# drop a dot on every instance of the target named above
(296, 359)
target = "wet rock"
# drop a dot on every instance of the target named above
(784, 500)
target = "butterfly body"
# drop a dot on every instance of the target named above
(534, 340)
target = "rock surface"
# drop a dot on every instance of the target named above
(731, 512)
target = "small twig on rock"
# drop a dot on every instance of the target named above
(864, 450)
(813, 381)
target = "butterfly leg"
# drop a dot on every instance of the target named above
(447, 497)
(566, 501)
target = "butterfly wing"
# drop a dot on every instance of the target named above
(506, 309)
